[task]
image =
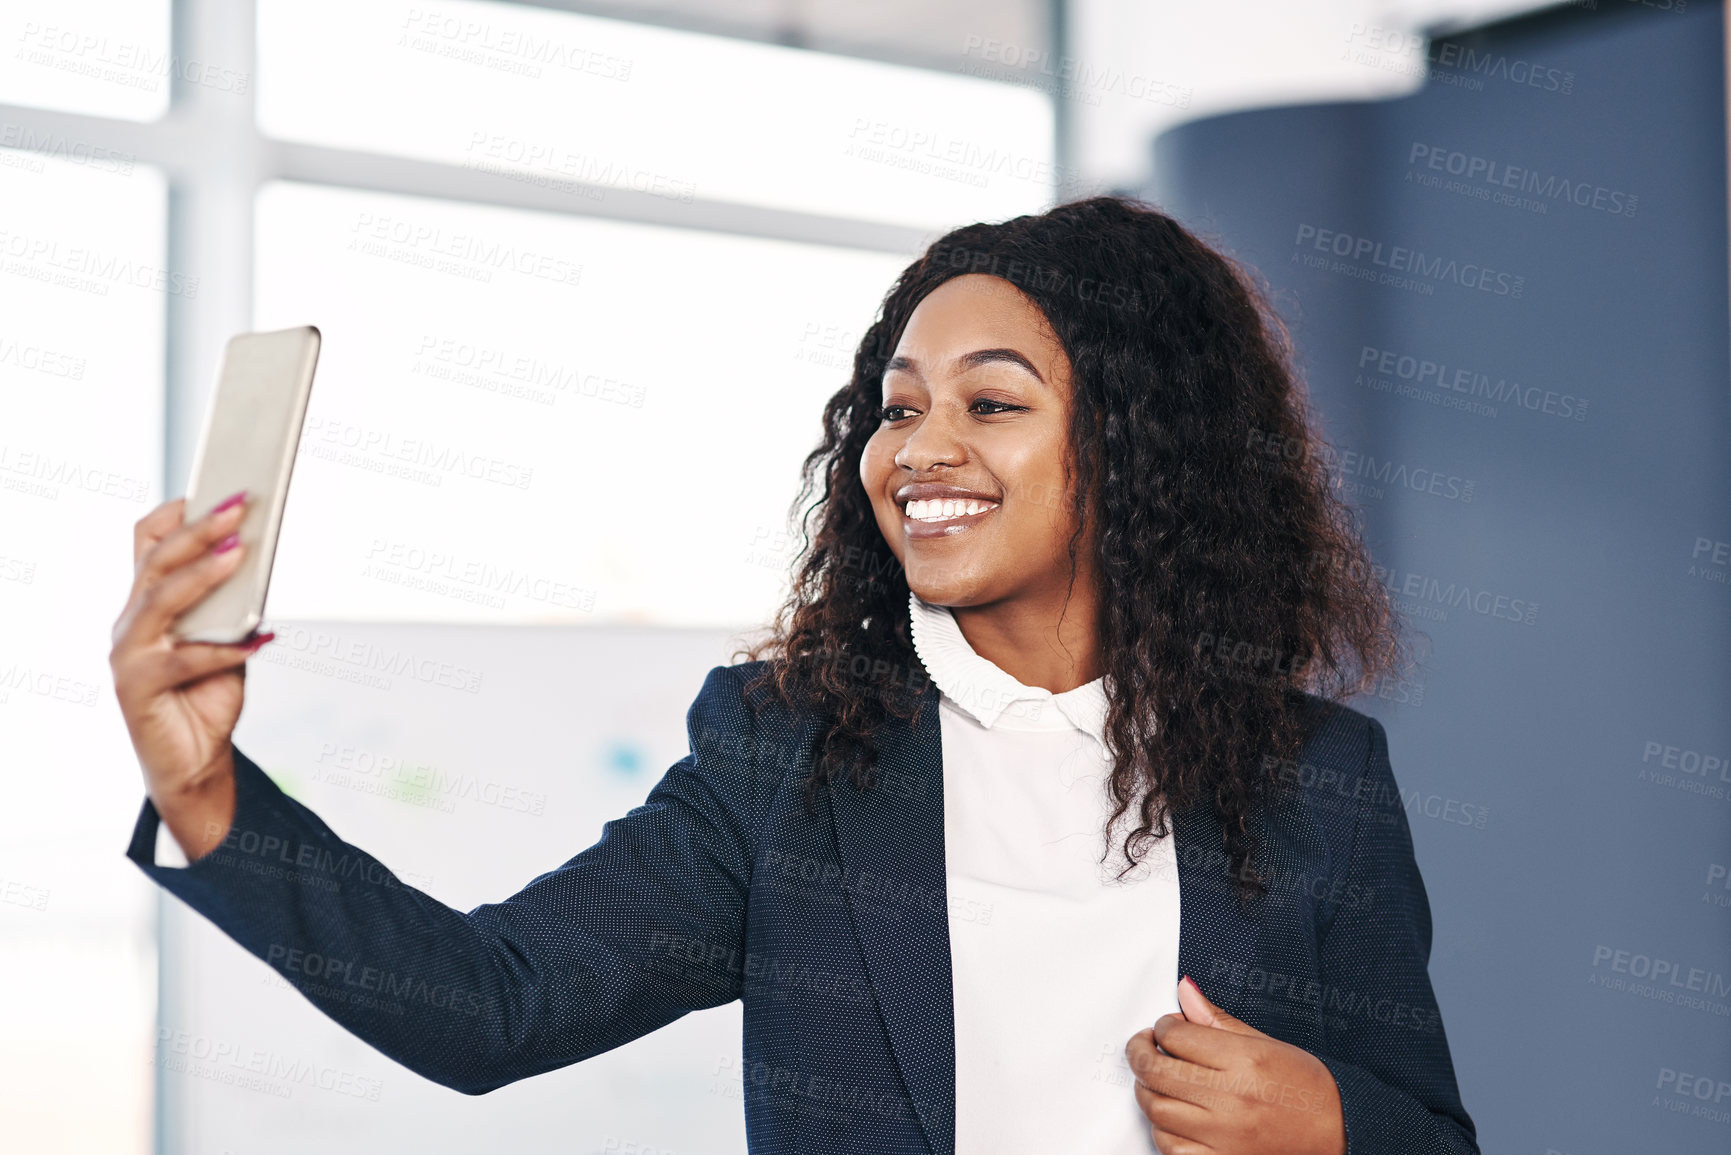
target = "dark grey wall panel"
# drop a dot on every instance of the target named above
(1510, 294)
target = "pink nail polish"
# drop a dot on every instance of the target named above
(252, 646)
(226, 543)
(234, 499)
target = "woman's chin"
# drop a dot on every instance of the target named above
(947, 590)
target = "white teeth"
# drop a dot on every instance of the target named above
(947, 509)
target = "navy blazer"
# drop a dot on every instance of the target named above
(831, 923)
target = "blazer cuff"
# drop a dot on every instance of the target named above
(258, 810)
(1384, 1120)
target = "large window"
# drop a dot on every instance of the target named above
(573, 100)
(101, 57)
(584, 286)
(83, 283)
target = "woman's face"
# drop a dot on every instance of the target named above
(977, 406)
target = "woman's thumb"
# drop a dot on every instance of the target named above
(1199, 1010)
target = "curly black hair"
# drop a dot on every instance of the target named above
(1233, 580)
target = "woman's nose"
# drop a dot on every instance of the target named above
(932, 442)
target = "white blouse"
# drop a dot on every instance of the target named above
(1055, 964)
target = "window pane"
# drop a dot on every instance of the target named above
(82, 288)
(101, 57)
(553, 98)
(529, 417)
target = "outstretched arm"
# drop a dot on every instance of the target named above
(576, 963)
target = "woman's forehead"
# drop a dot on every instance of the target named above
(976, 311)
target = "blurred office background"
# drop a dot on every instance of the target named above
(586, 273)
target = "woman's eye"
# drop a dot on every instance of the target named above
(899, 412)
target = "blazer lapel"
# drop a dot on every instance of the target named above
(1217, 941)
(891, 842)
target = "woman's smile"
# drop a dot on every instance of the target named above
(931, 510)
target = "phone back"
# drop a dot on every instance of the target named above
(251, 434)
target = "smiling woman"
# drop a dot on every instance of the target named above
(1114, 385)
(1050, 719)
(1080, 433)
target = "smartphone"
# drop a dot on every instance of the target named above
(252, 429)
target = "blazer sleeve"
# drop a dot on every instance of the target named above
(1391, 1059)
(627, 936)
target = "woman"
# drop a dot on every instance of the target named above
(1047, 723)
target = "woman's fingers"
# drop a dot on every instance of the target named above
(164, 549)
(146, 674)
(177, 544)
(147, 618)
(1174, 1139)
(1169, 1144)
(1207, 1046)
(153, 526)
(1170, 1076)
(1176, 1097)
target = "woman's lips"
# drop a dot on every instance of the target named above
(918, 530)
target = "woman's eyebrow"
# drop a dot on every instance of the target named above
(987, 356)
(969, 361)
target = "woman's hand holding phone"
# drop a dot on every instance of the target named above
(181, 700)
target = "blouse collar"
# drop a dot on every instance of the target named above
(986, 692)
